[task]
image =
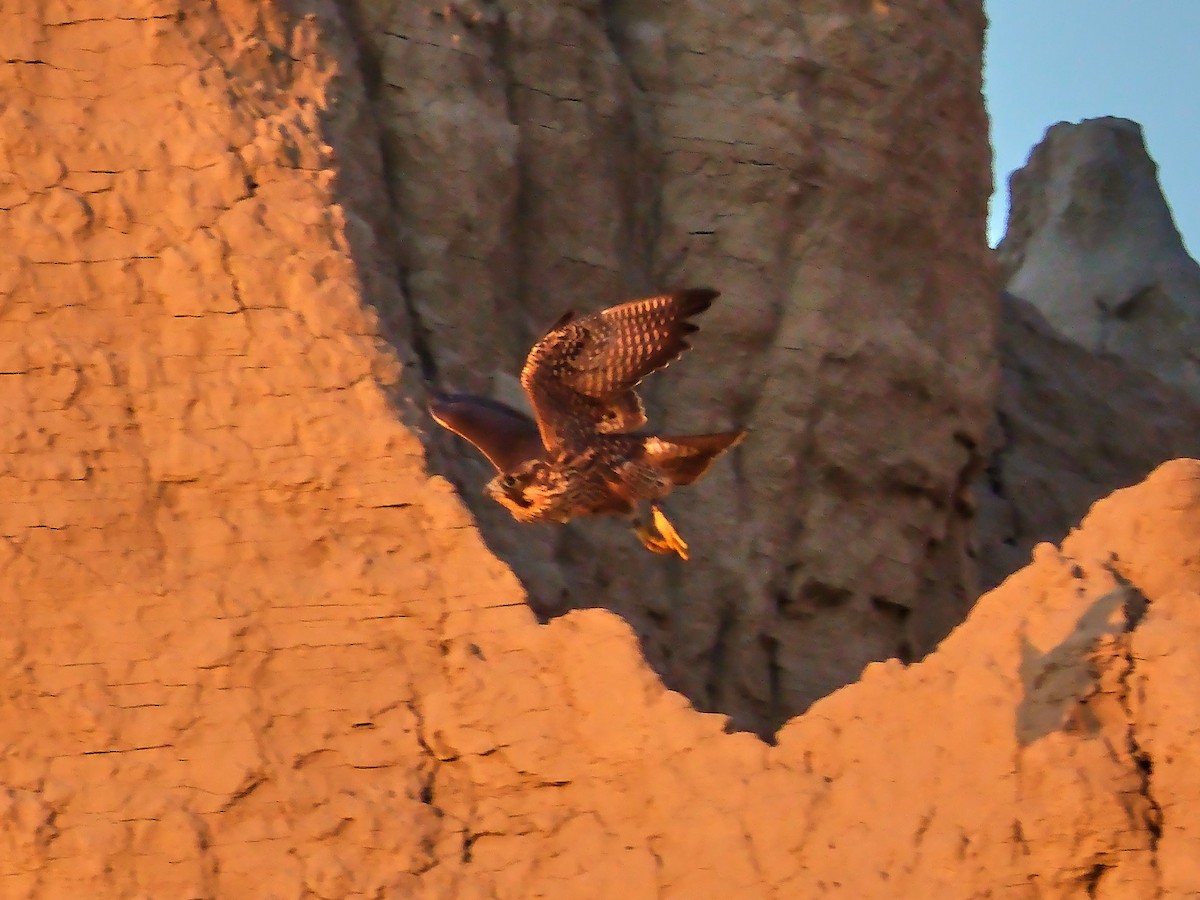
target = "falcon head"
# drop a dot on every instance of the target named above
(527, 490)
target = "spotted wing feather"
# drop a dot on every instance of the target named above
(581, 376)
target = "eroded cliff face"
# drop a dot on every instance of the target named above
(546, 157)
(239, 685)
(1097, 339)
(251, 648)
(1071, 426)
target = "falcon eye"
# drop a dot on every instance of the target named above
(508, 481)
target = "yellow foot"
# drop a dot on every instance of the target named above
(660, 536)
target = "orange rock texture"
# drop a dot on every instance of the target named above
(250, 648)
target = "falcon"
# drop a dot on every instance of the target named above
(584, 455)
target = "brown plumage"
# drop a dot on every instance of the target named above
(582, 455)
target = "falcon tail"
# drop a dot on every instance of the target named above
(685, 457)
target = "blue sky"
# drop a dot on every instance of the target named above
(1049, 61)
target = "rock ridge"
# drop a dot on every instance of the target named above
(253, 648)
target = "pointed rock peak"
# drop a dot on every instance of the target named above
(1092, 244)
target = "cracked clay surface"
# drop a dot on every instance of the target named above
(251, 648)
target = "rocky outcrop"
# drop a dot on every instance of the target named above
(1071, 426)
(251, 647)
(1091, 244)
(311, 679)
(1097, 339)
(543, 157)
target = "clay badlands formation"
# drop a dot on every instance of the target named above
(254, 643)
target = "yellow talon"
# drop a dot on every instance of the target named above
(670, 535)
(660, 536)
(649, 538)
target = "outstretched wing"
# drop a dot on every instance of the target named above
(581, 376)
(502, 434)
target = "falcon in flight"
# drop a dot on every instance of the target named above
(584, 455)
